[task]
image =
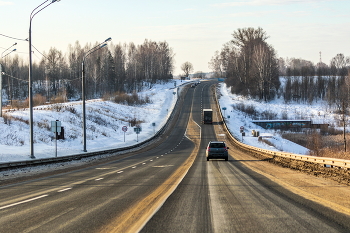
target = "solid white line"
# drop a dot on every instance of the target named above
(21, 202)
(64, 190)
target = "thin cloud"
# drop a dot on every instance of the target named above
(3, 3)
(189, 9)
(251, 14)
(264, 2)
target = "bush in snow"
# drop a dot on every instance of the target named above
(57, 107)
(12, 139)
(131, 100)
(268, 115)
(7, 119)
(249, 110)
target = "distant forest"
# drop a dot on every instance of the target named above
(252, 69)
(121, 68)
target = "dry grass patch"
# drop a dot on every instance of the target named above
(331, 146)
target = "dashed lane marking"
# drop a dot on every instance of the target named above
(21, 202)
(62, 190)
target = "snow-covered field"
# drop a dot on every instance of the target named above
(106, 119)
(317, 112)
(104, 123)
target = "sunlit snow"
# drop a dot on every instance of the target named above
(105, 121)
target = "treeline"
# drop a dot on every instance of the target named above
(251, 68)
(308, 83)
(338, 66)
(249, 64)
(116, 68)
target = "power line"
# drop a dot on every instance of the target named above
(39, 52)
(13, 37)
(3, 73)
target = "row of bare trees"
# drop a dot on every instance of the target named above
(249, 64)
(118, 68)
(306, 82)
(338, 66)
(251, 68)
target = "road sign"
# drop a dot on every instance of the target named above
(56, 126)
(224, 108)
(124, 128)
(137, 130)
(241, 128)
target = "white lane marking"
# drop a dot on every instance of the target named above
(99, 179)
(62, 190)
(21, 202)
(164, 166)
(120, 172)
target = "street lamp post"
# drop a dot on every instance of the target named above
(39, 8)
(97, 47)
(1, 74)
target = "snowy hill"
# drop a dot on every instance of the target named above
(105, 120)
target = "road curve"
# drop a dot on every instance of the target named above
(91, 198)
(220, 196)
(167, 188)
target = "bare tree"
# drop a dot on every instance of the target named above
(216, 64)
(198, 74)
(55, 65)
(187, 68)
(243, 36)
(340, 62)
(120, 68)
(250, 64)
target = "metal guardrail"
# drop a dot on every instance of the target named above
(43, 161)
(342, 163)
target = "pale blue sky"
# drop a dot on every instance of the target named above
(195, 29)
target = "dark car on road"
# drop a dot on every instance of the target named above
(217, 150)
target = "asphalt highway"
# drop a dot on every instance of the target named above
(168, 187)
(226, 196)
